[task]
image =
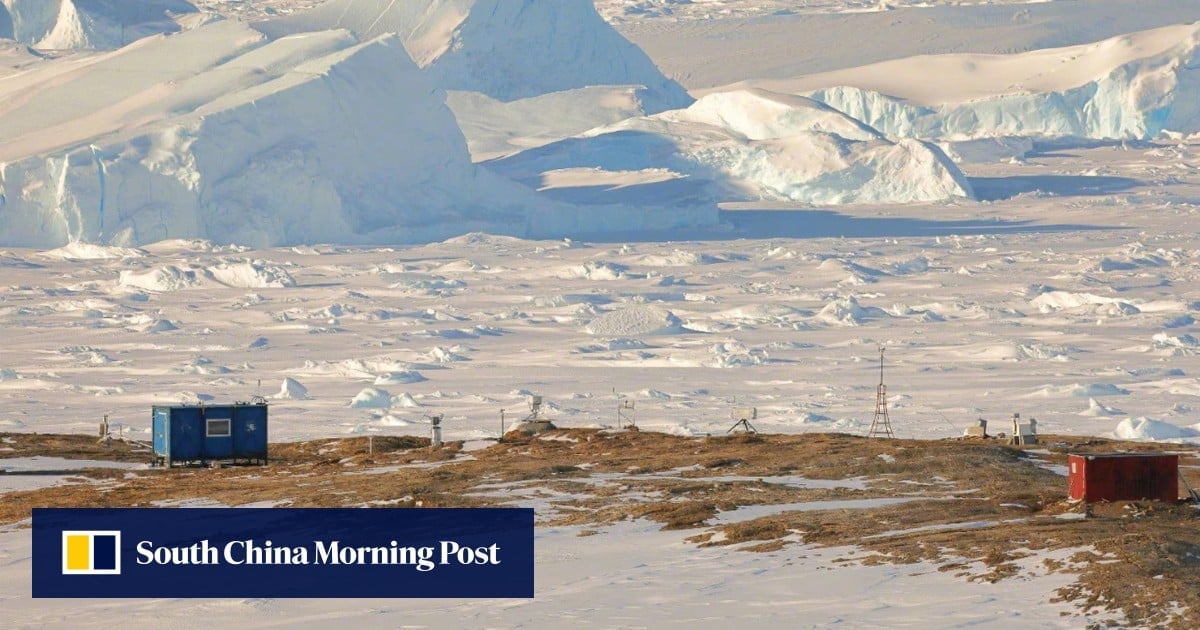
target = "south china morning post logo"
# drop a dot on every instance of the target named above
(327, 552)
(91, 552)
(283, 552)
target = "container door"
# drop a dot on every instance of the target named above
(250, 432)
(186, 433)
(161, 427)
(1076, 477)
(1105, 479)
(1167, 474)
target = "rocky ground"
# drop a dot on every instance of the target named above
(980, 509)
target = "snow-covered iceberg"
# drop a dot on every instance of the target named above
(506, 49)
(1129, 87)
(741, 145)
(496, 128)
(221, 133)
(97, 24)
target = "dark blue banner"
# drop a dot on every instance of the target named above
(280, 552)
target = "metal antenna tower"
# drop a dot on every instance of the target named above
(881, 426)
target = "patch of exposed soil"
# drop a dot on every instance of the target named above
(72, 446)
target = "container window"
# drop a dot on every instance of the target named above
(217, 428)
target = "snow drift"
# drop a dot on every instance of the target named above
(744, 145)
(1148, 429)
(241, 274)
(101, 24)
(506, 49)
(1098, 409)
(848, 312)
(371, 398)
(291, 389)
(635, 321)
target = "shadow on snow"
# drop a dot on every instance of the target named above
(805, 224)
(999, 188)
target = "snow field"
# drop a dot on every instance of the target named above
(706, 586)
(789, 326)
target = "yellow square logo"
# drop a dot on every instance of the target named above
(91, 553)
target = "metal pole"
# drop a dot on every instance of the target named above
(881, 365)
(502, 424)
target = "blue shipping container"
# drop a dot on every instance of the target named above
(199, 433)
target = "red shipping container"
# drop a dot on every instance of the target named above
(1124, 477)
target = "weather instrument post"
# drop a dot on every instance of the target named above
(881, 426)
(435, 437)
(743, 416)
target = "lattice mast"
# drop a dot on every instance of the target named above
(881, 426)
